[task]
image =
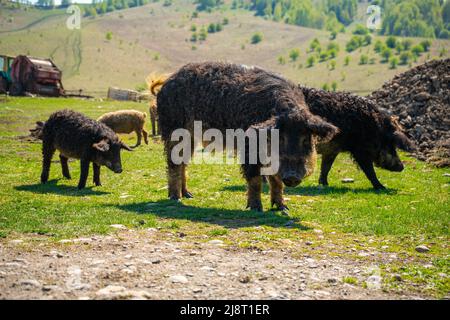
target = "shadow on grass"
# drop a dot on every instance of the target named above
(224, 217)
(52, 187)
(317, 190)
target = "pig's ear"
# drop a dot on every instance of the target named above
(402, 141)
(326, 131)
(124, 146)
(102, 145)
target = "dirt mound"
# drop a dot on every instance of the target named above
(420, 97)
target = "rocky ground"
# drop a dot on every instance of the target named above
(420, 97)
(146, 265)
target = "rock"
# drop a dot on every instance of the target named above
(422, 249)
(178, 279)
(110, 290)
(332, 281)
(348, 180)
(446, 174)
(65, 241)
(308, 243)
(197, 290)
(30, 282)
(207, 268)
(374, 282)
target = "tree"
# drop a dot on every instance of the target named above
(203, 34)
(333, 35)
(109, 35)
(361, 30)
(367, 39)
(406, 43)
(378, 47)
(334, 86)
(314, 44)
(211, 28)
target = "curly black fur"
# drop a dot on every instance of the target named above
(228, 96)
(76, 136)
(366, 131)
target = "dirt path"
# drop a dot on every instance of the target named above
(144, 265)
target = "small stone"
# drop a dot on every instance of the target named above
(16, 241)
(348, 180)
(446, 174)
(110, 290)
(178, 279)
(197, 290)
(156, 261)
(397, 277)
(245, 279)
(216, 242)
(118, 226)
(308, 243)
(65, 241)
(207, 268)
(332, 281)
(422, 249)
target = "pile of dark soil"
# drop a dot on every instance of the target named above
(420, 97)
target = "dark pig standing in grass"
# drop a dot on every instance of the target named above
(76, 136)
(367, 132)
(228, 96)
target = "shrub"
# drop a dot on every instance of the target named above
(367, 39)
(314, 44)
(386, 54)
(256, 38)
(323, 56)
(193, 28)
(404, 57)
(310, 61)
(218, 27)
(212, 28)
(426, 44)
(225, 21)
(332, 64)
(378, 47)
(406, 44)
(334, 86)
(281, 60)
(332, 53)
(393, 62)
(203, 34)
(417, 50)
(391, 42)
(347, 60)
(194, 37)
(361, 30)
(364, 59)
(294, 54)
(109, 35)
(326, 87)
(333, 35)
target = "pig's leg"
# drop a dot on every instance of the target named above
(325, 167)
(184, 191)
(276, 193)
(139, 138)
(84, 172)
(175, 181)
(145, 136)
(366, 166)
(254, 186)
(96, 168)
(48, 150)
(64, 166)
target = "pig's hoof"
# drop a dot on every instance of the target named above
(380, 187)
(255, 207)
(98, 184)
(176, 199)
(187, 194)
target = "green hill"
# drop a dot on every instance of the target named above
(122, 47)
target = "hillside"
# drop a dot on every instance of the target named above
(156, 38)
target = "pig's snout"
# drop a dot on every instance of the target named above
(398, 167)
(117, 170)
(291, 180)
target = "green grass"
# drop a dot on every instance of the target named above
(413, 210)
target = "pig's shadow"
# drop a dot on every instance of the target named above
(52, 186)
(224, 217)
(313, 191)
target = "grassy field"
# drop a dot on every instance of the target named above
(155, 38)
(413, 210)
